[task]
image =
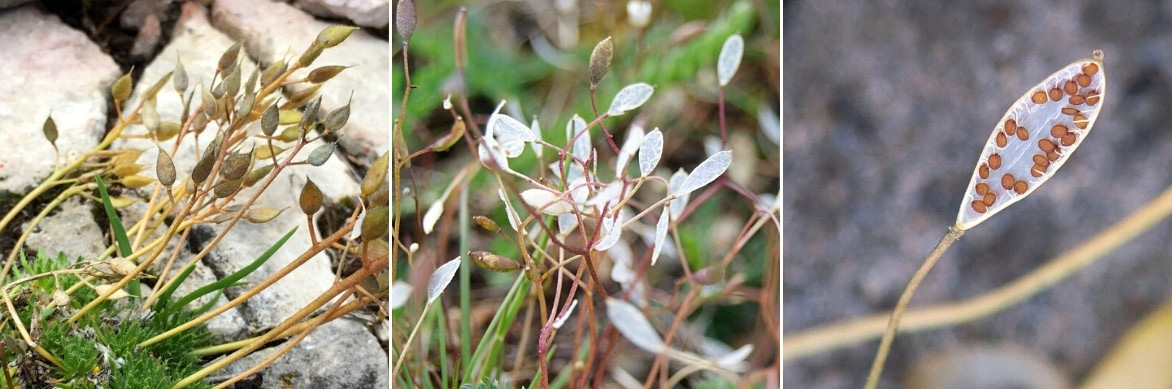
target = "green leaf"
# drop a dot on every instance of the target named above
(134, 287)
(232, 278)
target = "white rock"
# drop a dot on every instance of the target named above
(365, 13)
(71, 221)
(272, 30)
(48, 66)
(339, 354)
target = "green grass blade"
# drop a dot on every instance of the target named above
(165, 298)
(232, 278)
(134, 288)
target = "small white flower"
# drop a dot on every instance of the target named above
(638, 13)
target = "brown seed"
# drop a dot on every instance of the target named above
(983, 171)
(979, 207)
(1083, 80)
(1023, 134)
(1020, 186)
(1002, 140)
(1072, 110)
(1046, 145)
(995, 161)
(1070, 87)
(982, 188)
(1058, 130)
(1069, 139)
(1090, 69)
(1040, 160)
(1055, 94)
(1092, 97)
(1080, 121)
(989, 199)
(1077, 99)
(1053, 155)
(1010, 126)
(1037, 171)
(1039, 97)
(1007, 181)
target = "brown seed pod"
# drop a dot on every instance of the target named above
(273, 71)
(310, 199)
(324, 73)
(375, 176)
(374, 224)
(600, 60)
(165, 168)
(489, 261)
(333, 35)
(405, 19)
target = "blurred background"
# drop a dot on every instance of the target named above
(887, 105)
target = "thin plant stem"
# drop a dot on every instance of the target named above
(465, 277)
(953, 234)
(842, 334)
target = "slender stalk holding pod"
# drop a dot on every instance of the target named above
(1030, 142)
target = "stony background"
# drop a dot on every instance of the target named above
(886, 107)
(55, 62)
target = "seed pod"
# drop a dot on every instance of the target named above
(324, 73)
(154, 90)
(265, 152)
(256, 175)
(236, 165)
(228, 59)
(165, 168)
(226, 188)
(600, 60)
(374, 224)
(121, 171)
(179, 77)
(121, 88)
(119, 294)
(300, 98)
(60, 298)
(203, 168)
(135, 182)
(263, 214)
(288, 116)
(250, 84)
(246, 105)
(50, 130)
(310, 55)
(311, 198)
(321, 154)
(449, 139)
(375, 176)
(290, 133)
(334, 35)
(489, 261)
(405, 19)
(337, 118)
(122, 266)
(150, 117)
(208, 101)
(486, 223)
(270, 119)
(276, 69)
(1034, 138)
(199, 122)
(309, 114)
(167, 130)
(231, 82)
(127, 157)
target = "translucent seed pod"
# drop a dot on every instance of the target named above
(1034, 138)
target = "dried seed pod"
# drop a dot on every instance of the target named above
(266, 152)
(263, 214)
(228, 59)
(334, 35)
(203, 168)
(208, 101)
(255, 175)
(179, 77)
(165, 168)
(154, 90)
(321, 154)
(1010, 168)
(489, 261)
(50, 130)
(250, 84)
(121, 88)
(300, 97)
(150, 117)
(405, 19)
(337, 118)
(167, 130)
(236, 165)
(199, 122)
(310, 55)
(121, 171)
(231, 82)
(310, 199)
(121, 266)
(486, 223)
(324, 73)
(269, 120)
(449, 139)
(374, 224)
(286, 117)
(246, 105)
(600, 60)
(127, 157)
(290, 133)
(226, 188)
(276, 69)
(375, 176)
(135, 182)
(119, 294)
(60, 298)
(309, 114)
